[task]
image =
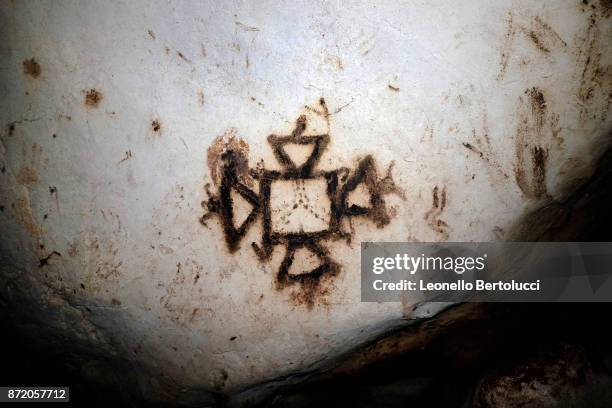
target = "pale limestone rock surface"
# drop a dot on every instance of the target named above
(472, 115)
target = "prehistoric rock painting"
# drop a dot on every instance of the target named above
(328, 217)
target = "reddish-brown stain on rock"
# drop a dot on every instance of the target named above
(229, 141)
(156, 126)
(27, 176)
(531, 146)
(93, 97)
(25, 216)
(31, 68)
(595, 91)
(437, 208)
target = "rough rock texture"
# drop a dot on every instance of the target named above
(457, 355)
(551, 378)
(129, 130)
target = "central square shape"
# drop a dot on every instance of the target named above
(299, 205)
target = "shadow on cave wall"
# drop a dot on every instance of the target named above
(467, 356)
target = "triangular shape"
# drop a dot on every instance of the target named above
(298, 153)
(360, 196)
(304, 262)
(305, 162)
(241, 208)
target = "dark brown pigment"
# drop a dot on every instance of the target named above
(531, 153)
(438, 204)
(93, 98)
(340, 183)
(31, 68)
(45, 261)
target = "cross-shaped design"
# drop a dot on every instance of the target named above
(338, 184)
